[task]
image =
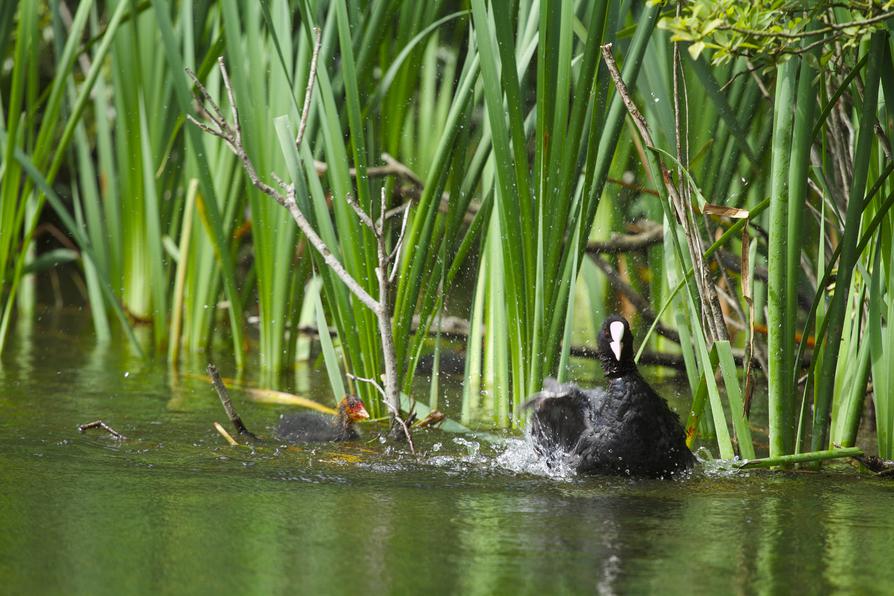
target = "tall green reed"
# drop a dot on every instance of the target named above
(522, 125)
(544, 204)
(40, 147)
(849, 240)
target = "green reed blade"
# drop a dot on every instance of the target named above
(71, 226)
(800, 458)
(332, 368)
(780, 343)
(197, 143)
(850, 239)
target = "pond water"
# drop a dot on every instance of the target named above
(175, 510)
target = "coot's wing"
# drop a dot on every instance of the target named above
(560, 415)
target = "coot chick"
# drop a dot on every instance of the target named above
(623, 428)
(311, 427)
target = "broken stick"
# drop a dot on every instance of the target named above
(224, 396)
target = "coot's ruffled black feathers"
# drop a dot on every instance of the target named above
(560, 416)
(624, 428)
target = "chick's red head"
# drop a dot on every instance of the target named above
(353, 407)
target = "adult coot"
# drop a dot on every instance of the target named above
(310, 427)
(624, 428)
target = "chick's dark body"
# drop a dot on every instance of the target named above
(308, 427)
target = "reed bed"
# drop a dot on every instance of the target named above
(541, 163)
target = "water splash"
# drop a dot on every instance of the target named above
(511, 455)
(718, 468)
(456, 462)
(518, 456)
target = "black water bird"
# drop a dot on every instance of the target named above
(311, 427)
(622, 428)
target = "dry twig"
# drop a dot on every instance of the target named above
(652, 235)
(308, 93)
(394, 413)
(100, 424)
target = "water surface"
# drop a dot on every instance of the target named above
(175, 510)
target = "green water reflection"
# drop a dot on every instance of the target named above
(174, 511)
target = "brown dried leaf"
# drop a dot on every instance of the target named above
(724, 211)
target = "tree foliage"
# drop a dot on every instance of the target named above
(772, 30)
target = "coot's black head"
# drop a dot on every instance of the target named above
(615, 347)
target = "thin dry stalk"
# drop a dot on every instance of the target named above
(683, 209)
(749, 300)
(621, 243)
(308, 93)
(227, 436)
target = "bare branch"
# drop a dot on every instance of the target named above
(706, 289)
(758, 81)
(362, 215)
(372, 382)
(280, 182)
(207, 129)
(308, 93)
(392, 167)
(205, 100)
(631, 186)
(231, 97)
(619, 243)
(232, 136)
(330, 260)
(396, 415)
(380, 224)
(227, 404)
(413, 187)
(400, 169)
(635, 114)
(392, 258)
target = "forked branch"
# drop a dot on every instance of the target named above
(217, 125)
(231, 135)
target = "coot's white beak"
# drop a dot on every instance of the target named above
(617, 330)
